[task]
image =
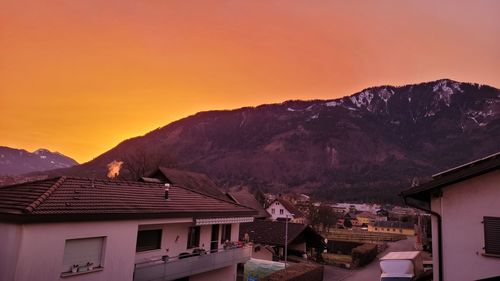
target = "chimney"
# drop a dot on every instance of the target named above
(167, 188)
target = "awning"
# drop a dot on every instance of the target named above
(222, 220)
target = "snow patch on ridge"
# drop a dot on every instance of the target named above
(362, 99)
(334, 103)
(445, 89)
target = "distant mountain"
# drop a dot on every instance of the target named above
(363, 147)
(19, 161)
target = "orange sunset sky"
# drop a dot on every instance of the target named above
(79, 76)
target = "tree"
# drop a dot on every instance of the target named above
(140, 162)
(347, 223)
(322, 217)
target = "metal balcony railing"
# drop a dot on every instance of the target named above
(182, 266)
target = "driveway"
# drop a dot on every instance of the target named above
(370, 272)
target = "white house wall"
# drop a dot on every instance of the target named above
(277, 206)
(35, 251)
(462, 207)
(42, 248)
(10, 237)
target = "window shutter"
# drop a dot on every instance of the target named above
(492, 235)
(81, 251)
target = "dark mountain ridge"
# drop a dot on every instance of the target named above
(363, 147)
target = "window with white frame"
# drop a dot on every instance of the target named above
(83, 254)
(281, 211)
(273, 211)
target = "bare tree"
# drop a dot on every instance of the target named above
(140, 162)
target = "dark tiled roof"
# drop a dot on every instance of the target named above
(245, 198)
(194, 181)
(290, 207)
(86, 199)
(273, 233)
(394, 224)
(454, 175)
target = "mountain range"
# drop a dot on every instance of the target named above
(365, 147)
(19, 161)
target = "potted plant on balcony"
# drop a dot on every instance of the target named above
(90, 266)
(228, 245)
(74, 268)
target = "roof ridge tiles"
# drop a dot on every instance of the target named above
(45, 195)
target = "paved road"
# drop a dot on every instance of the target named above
(369, 272)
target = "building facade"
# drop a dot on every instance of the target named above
(111, 230)
(464, 205)
(281, 209)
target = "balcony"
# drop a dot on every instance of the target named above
(181, 267)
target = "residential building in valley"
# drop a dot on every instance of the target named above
(281, 209)
(107, 230)
(465, 217)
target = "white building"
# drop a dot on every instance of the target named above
(281, 209)
(465, 206)
(113, 230)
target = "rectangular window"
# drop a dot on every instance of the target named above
(148, 240)
(281, 211)
(492, 235)
(226, 233)
(193, 237)
(272, 211)
(80, 253)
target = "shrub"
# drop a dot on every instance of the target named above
(364, 254)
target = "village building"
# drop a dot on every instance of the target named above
(366, 218)
(247, 199)
(83, 229)
(394, 227)
(281, 209)
(268, 238)
(464, 206)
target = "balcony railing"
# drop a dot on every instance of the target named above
(179, 267)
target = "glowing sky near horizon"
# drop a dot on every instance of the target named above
(80, 76)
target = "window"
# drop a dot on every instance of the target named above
(273, 211)
(281, 211)
(81, 252)
(148, 240)
(193, 237)
(492, 235)
(226, 233)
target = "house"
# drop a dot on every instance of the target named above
(247, 199)
(268, 238)
(281, 209)
(338, 210)
(465, 219)
(394, 227)
(195, 181)
(366, 218)
(107, 230)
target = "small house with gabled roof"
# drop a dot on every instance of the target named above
(281, 209)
